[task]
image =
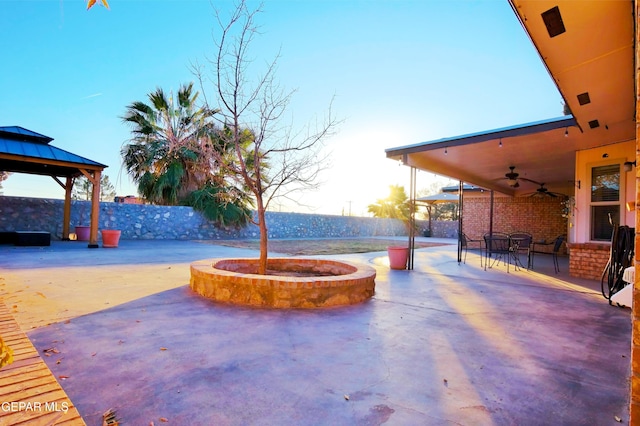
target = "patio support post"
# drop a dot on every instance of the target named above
(66, 215)
(412, 218)
(460, 207)
(95, 209)
(491, 213)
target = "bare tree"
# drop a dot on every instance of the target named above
(269, 158)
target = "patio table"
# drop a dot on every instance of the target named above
(514, 248)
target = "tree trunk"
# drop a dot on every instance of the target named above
(264, 239)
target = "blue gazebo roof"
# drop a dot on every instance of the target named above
(25, 151)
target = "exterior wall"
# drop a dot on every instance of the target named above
(616, 153)
(588, 260)
(542, 217)
(144, 221)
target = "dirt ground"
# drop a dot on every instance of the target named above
(323, 246)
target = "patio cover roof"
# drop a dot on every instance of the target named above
(581, 54)
(521, 146)
(25, 151)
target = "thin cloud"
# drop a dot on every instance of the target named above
(92, 96)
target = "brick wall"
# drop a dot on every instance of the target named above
(588, 260)
(541, 217)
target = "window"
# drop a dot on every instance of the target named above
(605, 201)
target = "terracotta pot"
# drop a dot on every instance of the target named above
(110, 238)
(398, 257)
(83, 233)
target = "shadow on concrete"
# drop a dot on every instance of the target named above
(443, 344)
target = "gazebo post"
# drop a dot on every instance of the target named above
(95, 209)
(66, 218)
(66, 215)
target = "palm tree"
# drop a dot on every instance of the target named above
(165, 156)
(395, 206)
(171, 156)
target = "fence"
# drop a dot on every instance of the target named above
(144, 221)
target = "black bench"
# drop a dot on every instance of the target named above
(32, 238)
(7, 237)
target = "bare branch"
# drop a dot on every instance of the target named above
(264, 155)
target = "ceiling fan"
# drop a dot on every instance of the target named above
(544, 192)
(513, 178)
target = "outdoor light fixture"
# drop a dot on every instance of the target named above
(629, 165)
(445, 151)
(566, 132)
(500, 144)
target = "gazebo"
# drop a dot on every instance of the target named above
(440, 198)
(25, 151)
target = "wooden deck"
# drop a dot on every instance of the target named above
(29, 392)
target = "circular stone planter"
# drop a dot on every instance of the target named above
(289, 283)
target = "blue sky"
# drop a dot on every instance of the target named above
(400, 72)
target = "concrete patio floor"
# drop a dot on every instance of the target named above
(444, 344)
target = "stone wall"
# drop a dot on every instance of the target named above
(143, 221)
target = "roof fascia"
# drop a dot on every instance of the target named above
(472, 138)
(58, 163)
(535, 46)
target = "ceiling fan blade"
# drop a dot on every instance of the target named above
(531, 180)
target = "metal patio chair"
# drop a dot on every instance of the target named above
(557, 243)
(465, 241)
(497, 245)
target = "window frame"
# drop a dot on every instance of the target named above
(619, 203)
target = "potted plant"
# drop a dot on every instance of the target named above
(83, 232)
(398, 256)
(110, 237)
(395, 206)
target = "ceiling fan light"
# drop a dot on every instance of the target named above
(512, 182)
